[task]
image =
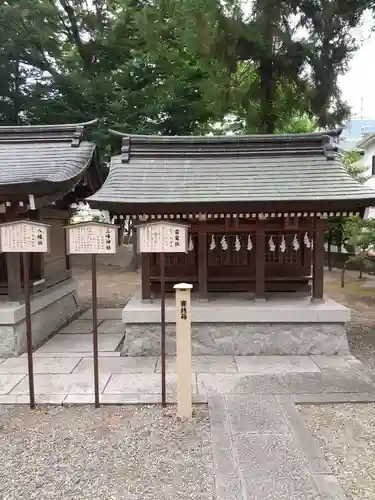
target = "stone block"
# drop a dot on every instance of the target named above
(256, 414)
(41, 365)
(50, 309)
(117, 365)
(275, 364)
(80, 342)
(217, 339)
(203, 364)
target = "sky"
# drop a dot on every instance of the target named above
(357, 85)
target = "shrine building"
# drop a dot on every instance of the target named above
(256, 207)
(43, 169)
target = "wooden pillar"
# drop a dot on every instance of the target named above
(13, 262)
(202, 262)
(260, 256)
(318, 261)
(146, 276)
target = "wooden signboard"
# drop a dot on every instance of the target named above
(25, 237)
(162, 237)
(93, 238)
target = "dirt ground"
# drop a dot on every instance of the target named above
(361, 329)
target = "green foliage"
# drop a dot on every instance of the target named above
(354, 166)
(175, 66)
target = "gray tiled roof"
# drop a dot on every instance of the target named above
(35, 155)
(298, 167)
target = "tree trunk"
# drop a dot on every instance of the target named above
(329, 253)
(136, 260)
(343, 273)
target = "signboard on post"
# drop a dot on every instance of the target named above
(162, 237)
(25, 237)
(93, 238)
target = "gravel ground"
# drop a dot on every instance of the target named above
(118, 452)
(346, 434)
(361, 328)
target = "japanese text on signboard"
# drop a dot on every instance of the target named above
(24, 237)
(162, 237)
(91, 239)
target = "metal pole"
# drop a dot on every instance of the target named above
(162, 286)
(26, 288)
(95, 329)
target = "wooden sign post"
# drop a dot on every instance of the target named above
(162, 237)
(183, 349)
(25, 237)
(93, 238)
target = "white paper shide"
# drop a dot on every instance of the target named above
(162, 237)
(24, 236)
(91, 238)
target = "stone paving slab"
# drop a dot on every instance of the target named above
(41, 365)
(227, 383)
(268, 485)
(117, 365)
(111, 326)
(334, 362)
(261, 451)
(275, 364)
(105, 354)
(61, 384)
(146, 383)
(127, 399)
(23, 399)
(329, 382)
(8, 382)
(255, 414)
(79, 326)
(80, 342)
(203, 364)
(102, 314)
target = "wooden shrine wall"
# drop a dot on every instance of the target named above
(231, 256)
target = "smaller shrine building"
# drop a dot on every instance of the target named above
(44, 169)
(257, 208)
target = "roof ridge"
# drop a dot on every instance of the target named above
(171, 139)
(74, 133)
(64, 127)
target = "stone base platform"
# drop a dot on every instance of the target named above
(238, 326)
(50, 309)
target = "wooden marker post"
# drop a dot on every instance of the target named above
(183, 342)
(162, 237)
(93, 238)
(25, 237)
